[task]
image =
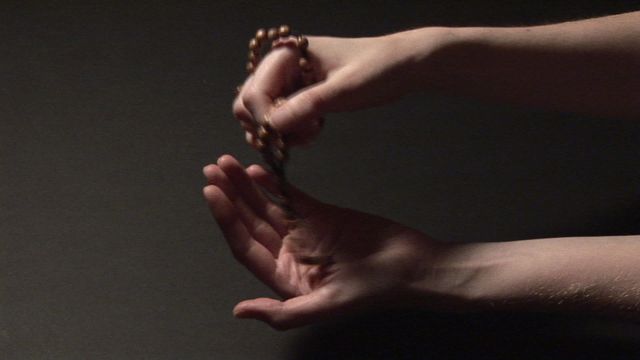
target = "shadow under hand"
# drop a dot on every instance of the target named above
(425, 335)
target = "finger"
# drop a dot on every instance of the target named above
(246, 250)
(302, 202)
(305, 136)
(283, 315)
(252, 196)
(257, 227)
(274, 78)
(240, 111)
(301, 111)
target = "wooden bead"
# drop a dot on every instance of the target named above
(279, 154)
(278, 102)
(279, 143)
(249, 137)
(261, 34)
(263, 134)
(259, 144)
(266, 123)
(302, 43)
(284, 30)
(272, 34)
(253, 44)
(304, 64)
(254, 56)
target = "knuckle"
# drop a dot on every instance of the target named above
(250, 98)
(238, 110)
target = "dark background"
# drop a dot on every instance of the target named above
(108, 111)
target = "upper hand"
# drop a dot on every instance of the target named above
(351, 73)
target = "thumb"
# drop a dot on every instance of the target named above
(300, 112)
(283, 315)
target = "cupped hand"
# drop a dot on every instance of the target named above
(365, 260)
(351, 73)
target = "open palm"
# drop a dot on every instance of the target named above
(330, 261)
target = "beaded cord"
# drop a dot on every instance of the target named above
(270, 143)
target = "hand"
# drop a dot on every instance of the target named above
(352, 73)
(373, 261)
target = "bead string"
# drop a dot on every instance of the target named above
(269, 142)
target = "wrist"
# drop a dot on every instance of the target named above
(431, 56)
(561, 274)
(471, 277)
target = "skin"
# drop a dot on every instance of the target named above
(378, 263)
(590, 67)
(373, 259)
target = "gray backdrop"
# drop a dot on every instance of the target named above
(108, 111)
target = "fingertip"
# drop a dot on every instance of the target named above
(209, 170)
(226, 160)
(263, 309)
(211, 193)
(219, 204)
(256, 170)
(243, 310)
(239, 311)
(239, 111)
(230, 165)
(262, 177)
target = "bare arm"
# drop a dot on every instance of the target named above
(589, 66)
(374, 262)
(590, 274)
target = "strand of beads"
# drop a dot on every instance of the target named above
(268, 141)
(279, 36)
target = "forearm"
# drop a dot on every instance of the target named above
(590, 66)
(593, 274)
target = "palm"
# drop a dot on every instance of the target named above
(329, 260)
(333, 241)
(313, 249)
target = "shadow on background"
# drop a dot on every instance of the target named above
(423, 335)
